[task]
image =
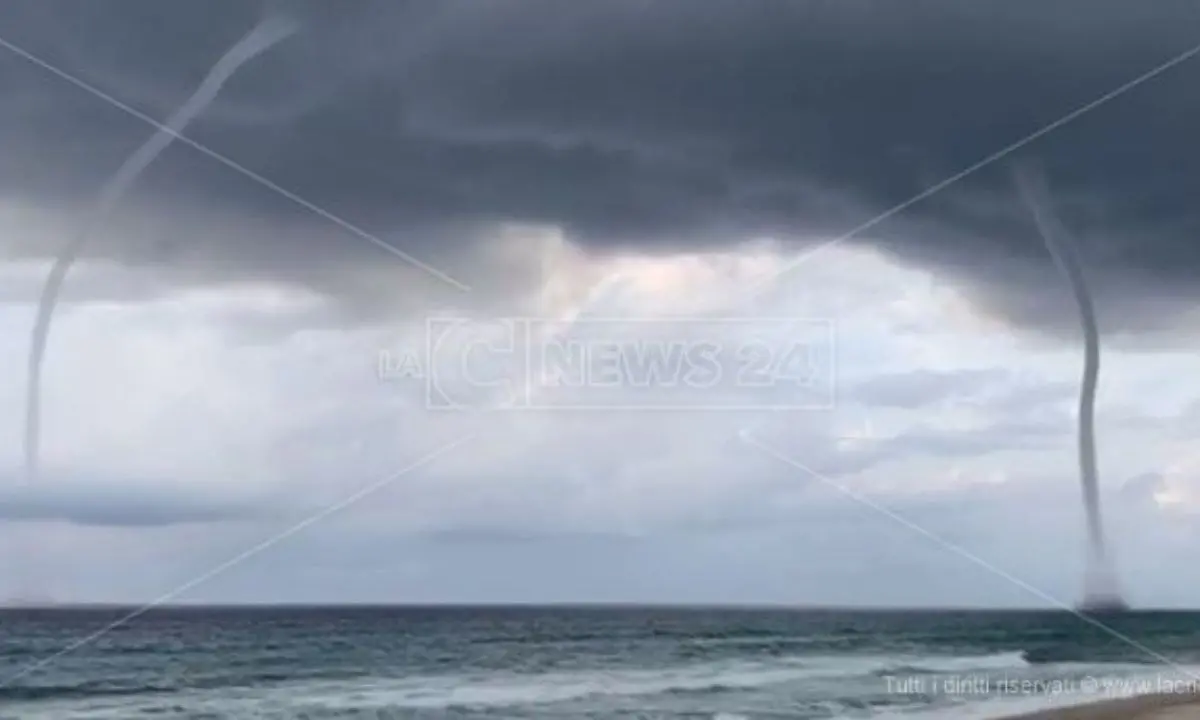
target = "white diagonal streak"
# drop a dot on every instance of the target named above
(241, 557)
(235, 166)
(960, 551)
(979, 165)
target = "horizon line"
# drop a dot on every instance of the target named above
(15, 604)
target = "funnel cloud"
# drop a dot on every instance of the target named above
(267, 33)
(1100, 587)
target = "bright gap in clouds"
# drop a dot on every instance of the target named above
(195, 423)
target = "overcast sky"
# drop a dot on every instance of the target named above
(479, 182)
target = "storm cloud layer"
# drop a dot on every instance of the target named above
(656, 126)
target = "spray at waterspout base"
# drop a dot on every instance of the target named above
(1101, 591)
(1104, 605)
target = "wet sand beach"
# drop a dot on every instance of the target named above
(1175, 706)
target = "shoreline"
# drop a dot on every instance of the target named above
(1168, 706)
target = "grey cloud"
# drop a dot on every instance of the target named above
(659, 126)
(1002, 392)
(832, 551)
(1021, 414)
(96, 284)
(1018, 435)
(1140, 490)
(1025, 396)
(119, 502)
(924, 387)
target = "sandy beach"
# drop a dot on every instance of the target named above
(1178, 706)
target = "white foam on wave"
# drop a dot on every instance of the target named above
(497, 690)
(503, 690)
(954, 664)
(833, 677)
(478, 691)
(500, 690)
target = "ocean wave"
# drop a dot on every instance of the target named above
(27, 693)
(708, 678)
(491, 690)
(506, 690)
(446, 691)
(1076, 653)
(957, 664)
(549, 688)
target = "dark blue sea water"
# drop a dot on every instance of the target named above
(575, 663)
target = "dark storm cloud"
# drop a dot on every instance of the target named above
(652, 124)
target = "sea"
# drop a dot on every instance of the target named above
(572, 663)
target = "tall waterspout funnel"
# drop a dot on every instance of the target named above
(270, 31)
(1101, 591)
(261, 38)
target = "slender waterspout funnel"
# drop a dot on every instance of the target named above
(260, 39)
(270, 31)
(1100, 590)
